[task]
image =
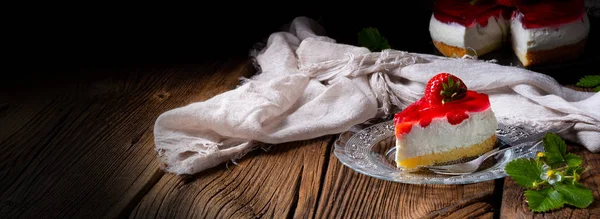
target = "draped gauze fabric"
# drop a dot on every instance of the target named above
(309, 86)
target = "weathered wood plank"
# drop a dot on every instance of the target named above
(476, 210)
(348, 194)
(85, 149)
(281, 182)
(514, 205)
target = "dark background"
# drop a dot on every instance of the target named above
(154, 33)
(58, 41)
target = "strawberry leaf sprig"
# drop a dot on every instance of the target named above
(371, 38)
(552, 178)
(590, 81)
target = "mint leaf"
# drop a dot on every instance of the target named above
(576, 195)
(597, 88)
(573, 160)
(544, 200)
(372, 39)
(555, 148)
(524, 171)
(589, 81)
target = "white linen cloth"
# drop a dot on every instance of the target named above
(309, 86)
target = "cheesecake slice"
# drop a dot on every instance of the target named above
(449, 123)
(459, 28)
(549, 31)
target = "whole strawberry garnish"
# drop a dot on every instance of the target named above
(443, 88)
(509, 3)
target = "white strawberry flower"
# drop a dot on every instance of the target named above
(550, 175)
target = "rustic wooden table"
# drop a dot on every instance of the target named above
(83, 148)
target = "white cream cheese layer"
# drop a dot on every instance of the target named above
(547, 38)
(441, 136)
(478, 38)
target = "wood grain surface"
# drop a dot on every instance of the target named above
(86, 150)
(281, 182)
(349, 194)
(83, 148)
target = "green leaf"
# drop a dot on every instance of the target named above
(445, 86)
(589, 81)
(573, 169)
(544, 200)
(597, 88)
(568, 181)
(457, 84)
(576, 195)
(450, 82)
(372, 39)
(524, 171)
(556, 149)
(573, 160)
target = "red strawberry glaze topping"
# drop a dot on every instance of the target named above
(463, 13)
(549, 13)
(422, 112)
(509, 3)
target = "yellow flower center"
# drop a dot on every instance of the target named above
(541, 154)
(550, 173)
